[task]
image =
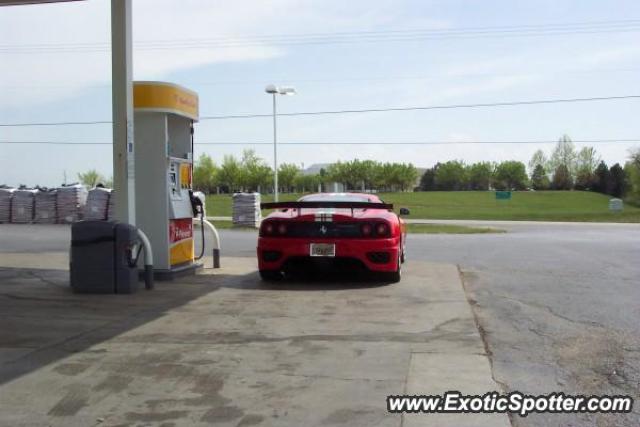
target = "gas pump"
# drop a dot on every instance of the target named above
(164, 114)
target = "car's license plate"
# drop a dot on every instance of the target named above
(323, 249)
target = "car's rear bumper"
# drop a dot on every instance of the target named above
(374, 254)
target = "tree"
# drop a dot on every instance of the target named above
(539, 178)
(451, 176)
(634, 157)
(230, 173)
(538, 158)
(586, 162)
(510, 175)
(479, 176)
(337, 172)
(428, 180)
(356, 174)
(90, 178)
(374, 177)
(255, 173)
(587, 159)
(602, 181)
(287, 174)
(585, 180)
(405, 176)
(384, 176)
(307, 183)
(562, 178)
(204, 174)
(618, 180)
(632, 170)
(369, 173)
(564, 154)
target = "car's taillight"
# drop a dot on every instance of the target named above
(282, 229)
(267, 229)
(273, 229)
(366, 230)
(382, 229)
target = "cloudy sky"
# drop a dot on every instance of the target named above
(55, 67)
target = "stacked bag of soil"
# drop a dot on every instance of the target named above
(246, 210)
(70, 201)
(22, 205)
(6, 194)
(97, 206)
(45, 206)
(111, 207)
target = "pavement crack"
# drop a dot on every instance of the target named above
(330, 377)
(485, 342)
(42, 279)
(406, 382)
(550, 311)
(540, 334)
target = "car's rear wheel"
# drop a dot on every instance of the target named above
(270, 275)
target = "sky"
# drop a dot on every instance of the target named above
(55, 67)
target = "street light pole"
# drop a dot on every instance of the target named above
(273, 90)
(275, 152)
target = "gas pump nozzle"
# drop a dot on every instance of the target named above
(198, 211)
(196, 205)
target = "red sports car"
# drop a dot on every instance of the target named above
(332, 230)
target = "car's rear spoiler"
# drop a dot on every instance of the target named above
(327, 204)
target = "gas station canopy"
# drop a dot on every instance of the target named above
(23, 2)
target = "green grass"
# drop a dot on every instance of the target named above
(449, 229)
(482, 205)
(411, 228)
(225, 225)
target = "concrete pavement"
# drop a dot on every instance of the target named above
(224, 348)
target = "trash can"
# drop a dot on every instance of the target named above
(102, 257)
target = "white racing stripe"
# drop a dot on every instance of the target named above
(325, 216)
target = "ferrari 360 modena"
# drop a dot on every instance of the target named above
(332, 231)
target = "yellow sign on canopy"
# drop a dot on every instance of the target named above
(164, 97)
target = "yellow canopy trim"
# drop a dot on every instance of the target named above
(165, 98)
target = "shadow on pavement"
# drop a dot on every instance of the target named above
(43, 321)
(319, 281)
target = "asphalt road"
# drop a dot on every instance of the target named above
(558, 305)
(560, 309)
